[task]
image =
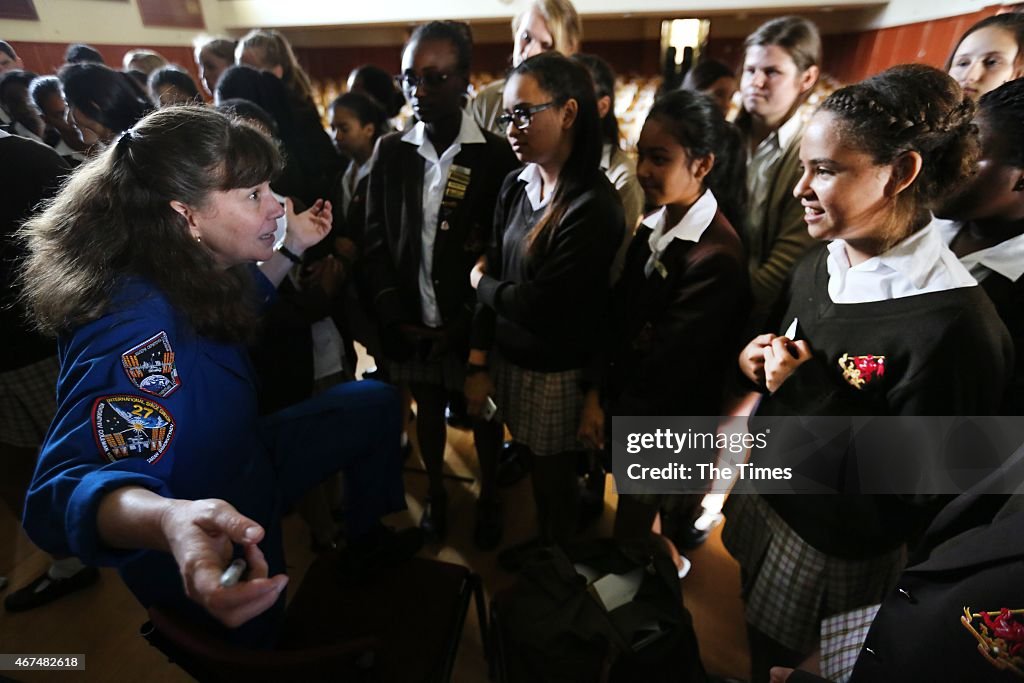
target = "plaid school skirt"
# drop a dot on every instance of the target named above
(541, 409)
(28, 401)
(448, 372)
(789, 586)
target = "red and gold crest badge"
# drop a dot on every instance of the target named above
(1000, 637)
(860, 371)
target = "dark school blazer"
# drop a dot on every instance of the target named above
(972, 558)
(676, 336)
(394, 223)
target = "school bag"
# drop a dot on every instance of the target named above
(555, 626)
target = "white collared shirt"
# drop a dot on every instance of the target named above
(18, 129)
(1005, 258)
(435, 176)
(690, 228)
(762, 163)
(64, 149)
(328, 345)
(534, 186)
(350, 181)
(919, 264)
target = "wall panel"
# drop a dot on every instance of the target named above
(849, 57)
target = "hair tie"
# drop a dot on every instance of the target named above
(124, 149)
(124, 139)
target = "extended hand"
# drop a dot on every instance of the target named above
(200, 535)
(478, 272)
(477, 387)
(309, 227)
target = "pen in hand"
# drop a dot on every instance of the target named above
(233, 573)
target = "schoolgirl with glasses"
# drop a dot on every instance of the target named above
(542, 289)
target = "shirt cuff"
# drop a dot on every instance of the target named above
(81, 520)
(487, 290)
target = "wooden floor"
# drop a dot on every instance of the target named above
(102, 622)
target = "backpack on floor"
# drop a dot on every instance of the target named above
(551, 626)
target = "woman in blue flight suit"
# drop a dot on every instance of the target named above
(156, 461)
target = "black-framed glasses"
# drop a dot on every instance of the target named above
(409, 81)
(522, 116)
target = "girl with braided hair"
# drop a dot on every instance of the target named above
(987, 219)
(883, 320)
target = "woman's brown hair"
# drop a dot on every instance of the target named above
(113, 220)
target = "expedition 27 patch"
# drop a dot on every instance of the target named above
(129, 426)
(150, 366)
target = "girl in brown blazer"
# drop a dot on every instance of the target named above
(681, 303)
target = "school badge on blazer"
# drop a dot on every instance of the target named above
(859, 371)
(150, 366)
(1000, 637)
(128, 426)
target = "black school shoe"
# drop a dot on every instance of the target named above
(434, 522)
(44, 590)
(689, 537)
(455, 413)
(514, 462)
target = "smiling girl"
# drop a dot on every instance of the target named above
(680, 305)
(888, 323)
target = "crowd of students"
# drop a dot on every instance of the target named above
(502, 249)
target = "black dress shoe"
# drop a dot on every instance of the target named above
(455, 413)
(377, 373)
(45, 590)
(434, 522)
(691, 537)
(489, 525)
(514, 463)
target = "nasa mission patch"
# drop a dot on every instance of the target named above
(150, 366)
(129, 426)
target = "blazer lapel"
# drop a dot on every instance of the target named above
(1000, 541)
(410, 202)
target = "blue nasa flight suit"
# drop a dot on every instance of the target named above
(145, 401)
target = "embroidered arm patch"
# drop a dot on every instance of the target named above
(127, 426)
(150, 366)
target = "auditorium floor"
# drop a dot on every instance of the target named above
(103, 621)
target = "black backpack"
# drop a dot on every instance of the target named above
(549, 627)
